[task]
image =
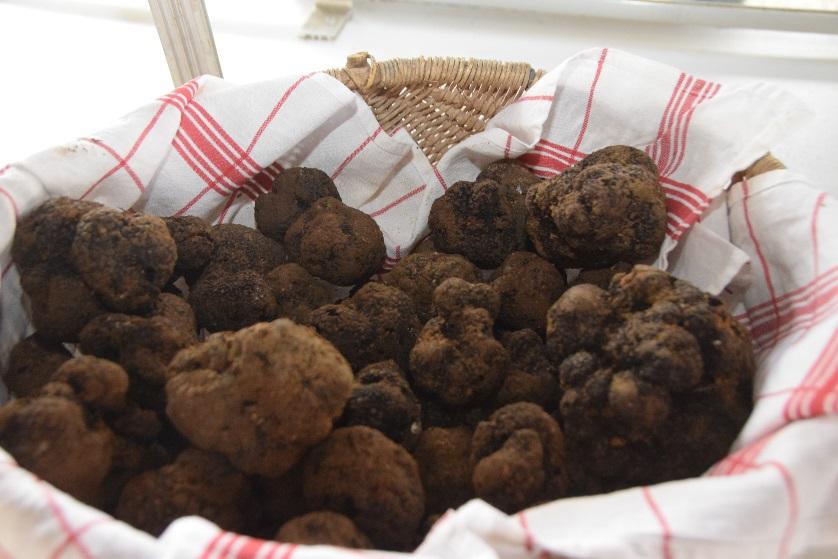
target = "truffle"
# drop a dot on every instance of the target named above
(601, 277)
(225, 300)
(663, 391)
(194, 241)
(382, 399)
(527, 285)
(532, 376)
(359, 472)
(335, 242)
(518, 457)
(124, 258)
(32, 362)
(444, 459)
(61, 304)
(454, 295)
(197, 483)
(297, 292)
(294, 191)
(55, 438)
(98, 383)
(179, 312)
(483, 221)
(456, 359)
(323, 528)
(274, 388)
(239, 248)
(511, 174)
(377, 323)
(420, 273)
(595, 215)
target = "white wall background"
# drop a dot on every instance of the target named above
(69, 67)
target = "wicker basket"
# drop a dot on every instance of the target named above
(441, 101)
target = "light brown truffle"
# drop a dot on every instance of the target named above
(483, 221)
(323, 528)
(98, 383)
(518, 457)
(390, 503)
(126, 259)
(32, 362)
(337, 243)
(274, 388)
(197, 483)
(55, 438)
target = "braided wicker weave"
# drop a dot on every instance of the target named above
(441, 101)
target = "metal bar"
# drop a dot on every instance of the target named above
(186, 36)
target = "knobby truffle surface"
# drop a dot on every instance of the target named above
(293, 192)
(323, 528)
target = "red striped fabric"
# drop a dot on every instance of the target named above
(666, 532)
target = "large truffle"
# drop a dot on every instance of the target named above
(32, 362)
(361, 473)
(662, 391)
(293, 192)
(239, 248)
(274, 388)
(323, 528)
(532, 376)
(511, 174)
(197, 483)
(444, 458)
(483, 221)
(124, 258)
(337, 243)
(194, 241)
(55, 438)
(527, 285)
(518, 457)
(456, 359)
(297, 292)
(420, 273)
(382, 399)
(595, 215)
(377, 323)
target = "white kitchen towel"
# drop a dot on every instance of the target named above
(209, 148)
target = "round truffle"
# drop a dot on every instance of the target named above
(511, 174)
(382, 399)
(527, 285)
(419, 274)
(323, 528)
(518, 457)
(126, 259)
(578, 320)
(483, 221)
(198, 483)
(444, 458)
(297, 292)
(56, 439)
(294, 191)
(32, 362)
(194, 241)
(348, 329)
(359, 472)
(98, 383)
(274, 388)
(593, 216)
(61, 304)
(228, 300)
(239, 248)
(454, 295)
(337, 243)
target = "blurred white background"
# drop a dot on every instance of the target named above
(70, 67)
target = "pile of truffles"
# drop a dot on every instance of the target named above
(261, 379)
